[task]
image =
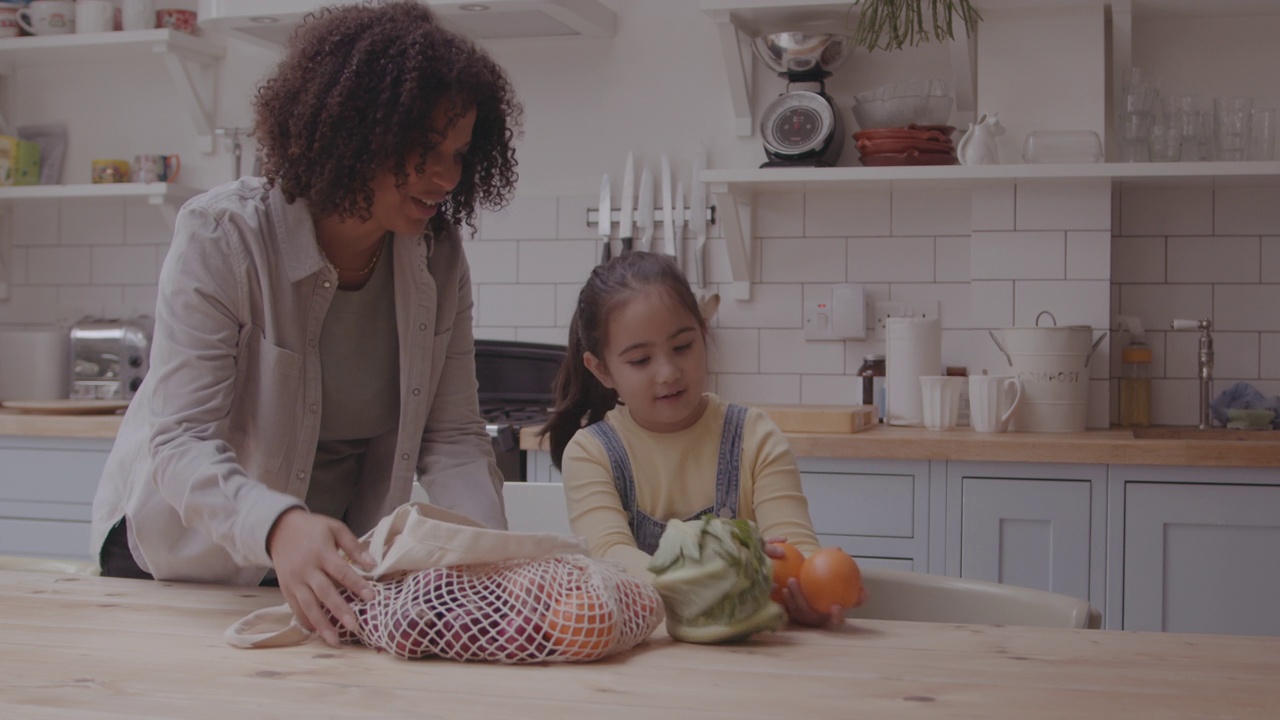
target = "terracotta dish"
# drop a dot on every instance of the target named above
(893, 145)
(908, 158)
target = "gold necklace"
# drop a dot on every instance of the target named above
(357, 273)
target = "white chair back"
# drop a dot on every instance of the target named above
(922, 597)
(536, 507)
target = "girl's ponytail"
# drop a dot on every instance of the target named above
(580, 398)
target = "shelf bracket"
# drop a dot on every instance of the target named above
(6, 250)
(168, 210)
(735, 47)
(736, 215)
(194, 77)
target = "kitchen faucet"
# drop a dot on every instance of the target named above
(1205, 366)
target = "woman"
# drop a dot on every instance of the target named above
(313, 343)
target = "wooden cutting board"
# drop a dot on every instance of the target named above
(822, 418)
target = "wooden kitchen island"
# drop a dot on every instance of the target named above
(109, 649)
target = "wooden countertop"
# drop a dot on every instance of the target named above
(22, 424)
(1115, 446)
(99, 648)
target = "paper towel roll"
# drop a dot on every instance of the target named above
(913, 348)
(33, 364)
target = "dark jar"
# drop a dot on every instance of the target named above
(872, 374)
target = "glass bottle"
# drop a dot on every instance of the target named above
(1135, 385)
(872, 373)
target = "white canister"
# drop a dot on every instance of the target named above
(138, 14)
(1053, 365)
(913, 347)
(34, 363)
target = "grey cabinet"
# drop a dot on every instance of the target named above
(46, 495)
(876, 510)
(1200, 556)
(1031, 525)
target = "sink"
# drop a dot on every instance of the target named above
(1175, 432)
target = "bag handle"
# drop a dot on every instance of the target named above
(248, 633)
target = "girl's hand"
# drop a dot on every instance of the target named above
(798, 609)
(304, 551)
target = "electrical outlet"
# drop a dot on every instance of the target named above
(923, 309)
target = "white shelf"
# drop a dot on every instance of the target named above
(156, 193)
(735, 190)
(190, 61)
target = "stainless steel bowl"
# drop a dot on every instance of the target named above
(802, 52)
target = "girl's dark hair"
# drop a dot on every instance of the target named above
(358, 92)
(581, 399)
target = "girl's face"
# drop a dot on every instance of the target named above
(656, 360)
(406, 209)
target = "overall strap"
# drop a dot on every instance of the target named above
(623, 477)
(729, 468)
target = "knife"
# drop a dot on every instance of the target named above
(677, 240)
(698, 217)
(668, 222)
(645, 221)
(625, 222)
(604, 223)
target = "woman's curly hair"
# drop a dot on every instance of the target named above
(357, 93)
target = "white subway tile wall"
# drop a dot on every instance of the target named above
(992, 256)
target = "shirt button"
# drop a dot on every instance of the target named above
(326, 283)
(422, 326)
(417, 391)
(313, 408)
(301, 474)
(311, 343)
(405, 457)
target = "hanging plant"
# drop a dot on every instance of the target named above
(892, 24)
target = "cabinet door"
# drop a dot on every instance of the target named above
(1202, 558)
(1031, 533)
(46, 495)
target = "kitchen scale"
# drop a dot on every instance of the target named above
(802, 128)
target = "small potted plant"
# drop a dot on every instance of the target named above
(892, 24)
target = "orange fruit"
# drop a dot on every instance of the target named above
(784, 568)
(580, 624)
(830, 577)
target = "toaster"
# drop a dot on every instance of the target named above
(109, 358)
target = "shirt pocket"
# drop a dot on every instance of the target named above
(268, 395)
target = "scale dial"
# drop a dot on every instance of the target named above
(797, 125)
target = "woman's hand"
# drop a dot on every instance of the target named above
(304, 551)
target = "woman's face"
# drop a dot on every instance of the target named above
(406, 209)
(656, 360)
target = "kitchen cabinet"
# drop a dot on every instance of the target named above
(1033, 525)
(876, 510)
(46, 494)
(1199, 548)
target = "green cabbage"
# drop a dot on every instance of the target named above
(715, 580)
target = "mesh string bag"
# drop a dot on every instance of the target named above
(446, 588)
(564, 608)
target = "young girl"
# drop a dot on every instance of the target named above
(639, 441)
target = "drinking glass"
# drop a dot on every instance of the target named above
(1231, 117)
(1262, 133)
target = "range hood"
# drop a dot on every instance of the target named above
(270, 22)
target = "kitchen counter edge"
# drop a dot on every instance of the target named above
(1114, 446)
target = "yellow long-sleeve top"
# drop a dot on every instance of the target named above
(675, 476)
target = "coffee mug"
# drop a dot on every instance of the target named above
(95, 16)
(992, 400)
(940, 400)
(48, 17)
(156, 168)
(110, 171)
(138, 14)
(174, 19)
(9, 19)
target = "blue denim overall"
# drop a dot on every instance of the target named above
(646, 530)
